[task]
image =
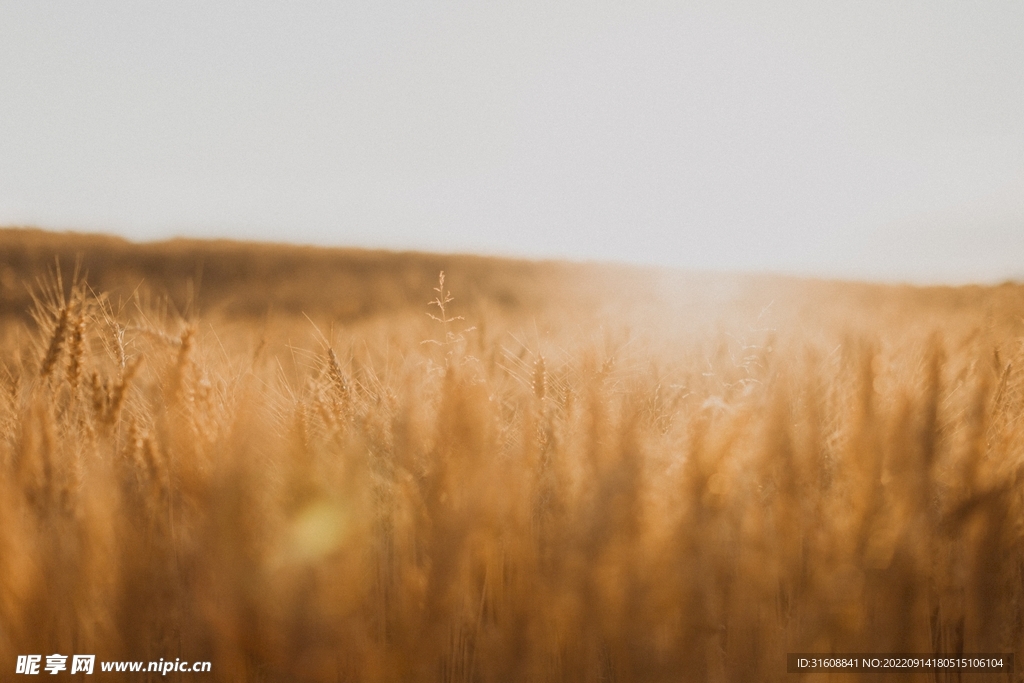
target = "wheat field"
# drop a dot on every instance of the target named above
(316, 465)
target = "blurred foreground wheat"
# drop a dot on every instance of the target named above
(378, 509)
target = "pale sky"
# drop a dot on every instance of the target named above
(867, 139)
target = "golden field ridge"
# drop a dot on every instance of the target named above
(564, 473)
